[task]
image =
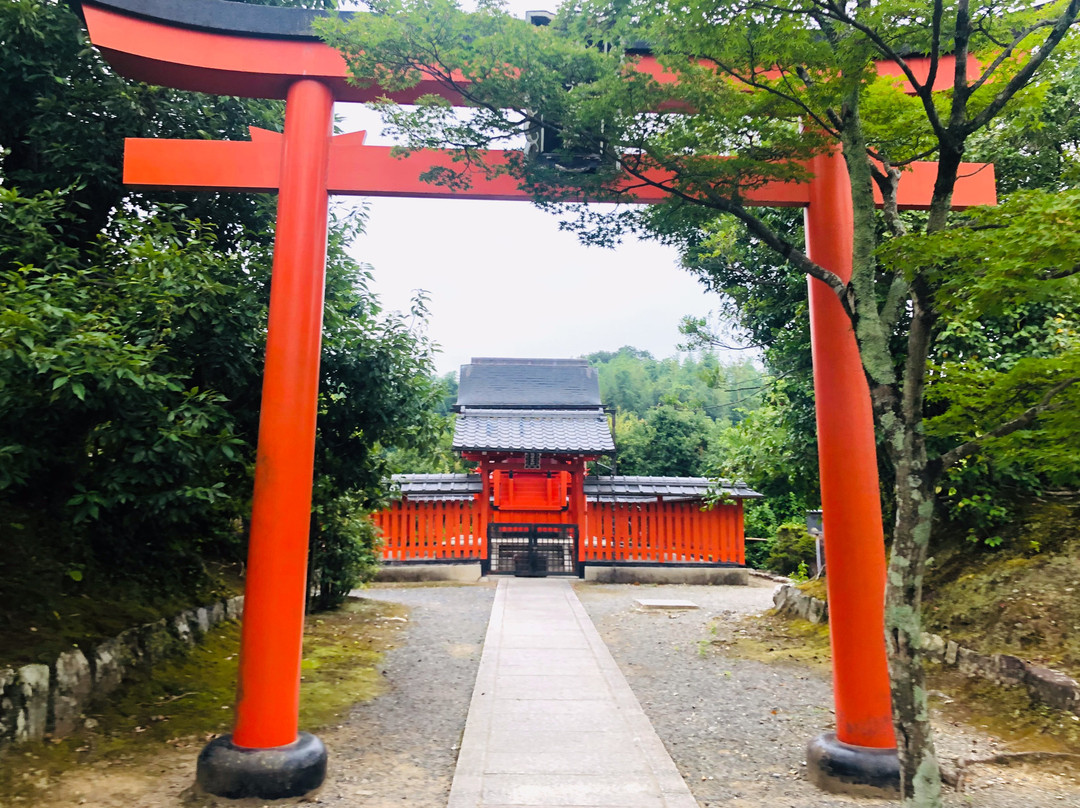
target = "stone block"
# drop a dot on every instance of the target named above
(951, 651)
(666, 574)
(181, 626)
(781, 597)
(131, 647)
(159, 640)
(111, 660)
(971, 663)
(817, 610)
(202, 620)
(661, 603)
(73, 686)
(934, 647)
(8, 711)
(464, 572)
(1011, 670)
(1052, 688)
(216, 613)
(31, 702)
(234, 607)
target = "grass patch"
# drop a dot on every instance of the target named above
(188, 700)
(1005, 712)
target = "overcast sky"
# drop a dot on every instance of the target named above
(504, 281)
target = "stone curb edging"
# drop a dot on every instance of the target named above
(36, 700)
(1045, 685)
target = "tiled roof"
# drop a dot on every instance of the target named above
(531, 383)
(561, 431)
(603, 489)
(441, 486)
(630, 488)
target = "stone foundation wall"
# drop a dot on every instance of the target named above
(1043, 684)
(40, 700)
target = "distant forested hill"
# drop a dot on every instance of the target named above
(633, 382)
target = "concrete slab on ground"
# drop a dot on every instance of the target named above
(552, 720)
(661, 603)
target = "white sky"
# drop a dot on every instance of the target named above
(504, 281)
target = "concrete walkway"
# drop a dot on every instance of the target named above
(552, 720)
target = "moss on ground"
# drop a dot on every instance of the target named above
(1007, 712)
(771, 638)
(814, 588)
(186, 701)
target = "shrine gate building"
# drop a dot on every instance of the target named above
(531, 508)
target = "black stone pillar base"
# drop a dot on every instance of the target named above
(235, 772)
(841, 768)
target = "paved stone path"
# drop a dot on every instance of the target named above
(552, 720)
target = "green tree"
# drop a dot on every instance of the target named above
(132, 330)
(741, 87)
(668, 442)
(632, 381)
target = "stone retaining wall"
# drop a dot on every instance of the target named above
(40, 700)
(1043, 684)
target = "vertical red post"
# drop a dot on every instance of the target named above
(484, 518)
(270, 645)
(851, 500)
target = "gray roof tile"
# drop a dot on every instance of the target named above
(628, 488)
(559, 431)
(533, 383)
(604, 489)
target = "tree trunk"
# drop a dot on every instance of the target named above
(920, 774)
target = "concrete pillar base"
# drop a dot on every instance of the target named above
(841, 768)
(236, 772)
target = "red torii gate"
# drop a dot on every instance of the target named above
(267, 52)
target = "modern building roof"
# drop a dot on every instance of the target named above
(528, 383)
(533, 430)
(599, 489)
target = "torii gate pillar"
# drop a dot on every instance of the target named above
(265, 755)
(862, 751)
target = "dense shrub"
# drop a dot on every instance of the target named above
(792, 546)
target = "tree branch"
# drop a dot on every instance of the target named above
(1057, 33)
(1006, 52)
(1022, 421)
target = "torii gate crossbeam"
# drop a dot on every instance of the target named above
(257, 51)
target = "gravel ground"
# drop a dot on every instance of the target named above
(736, 728)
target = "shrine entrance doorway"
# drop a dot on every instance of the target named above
(532, 550)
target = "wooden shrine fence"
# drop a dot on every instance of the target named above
(664, 533)
(430, 531)
(646, 532)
